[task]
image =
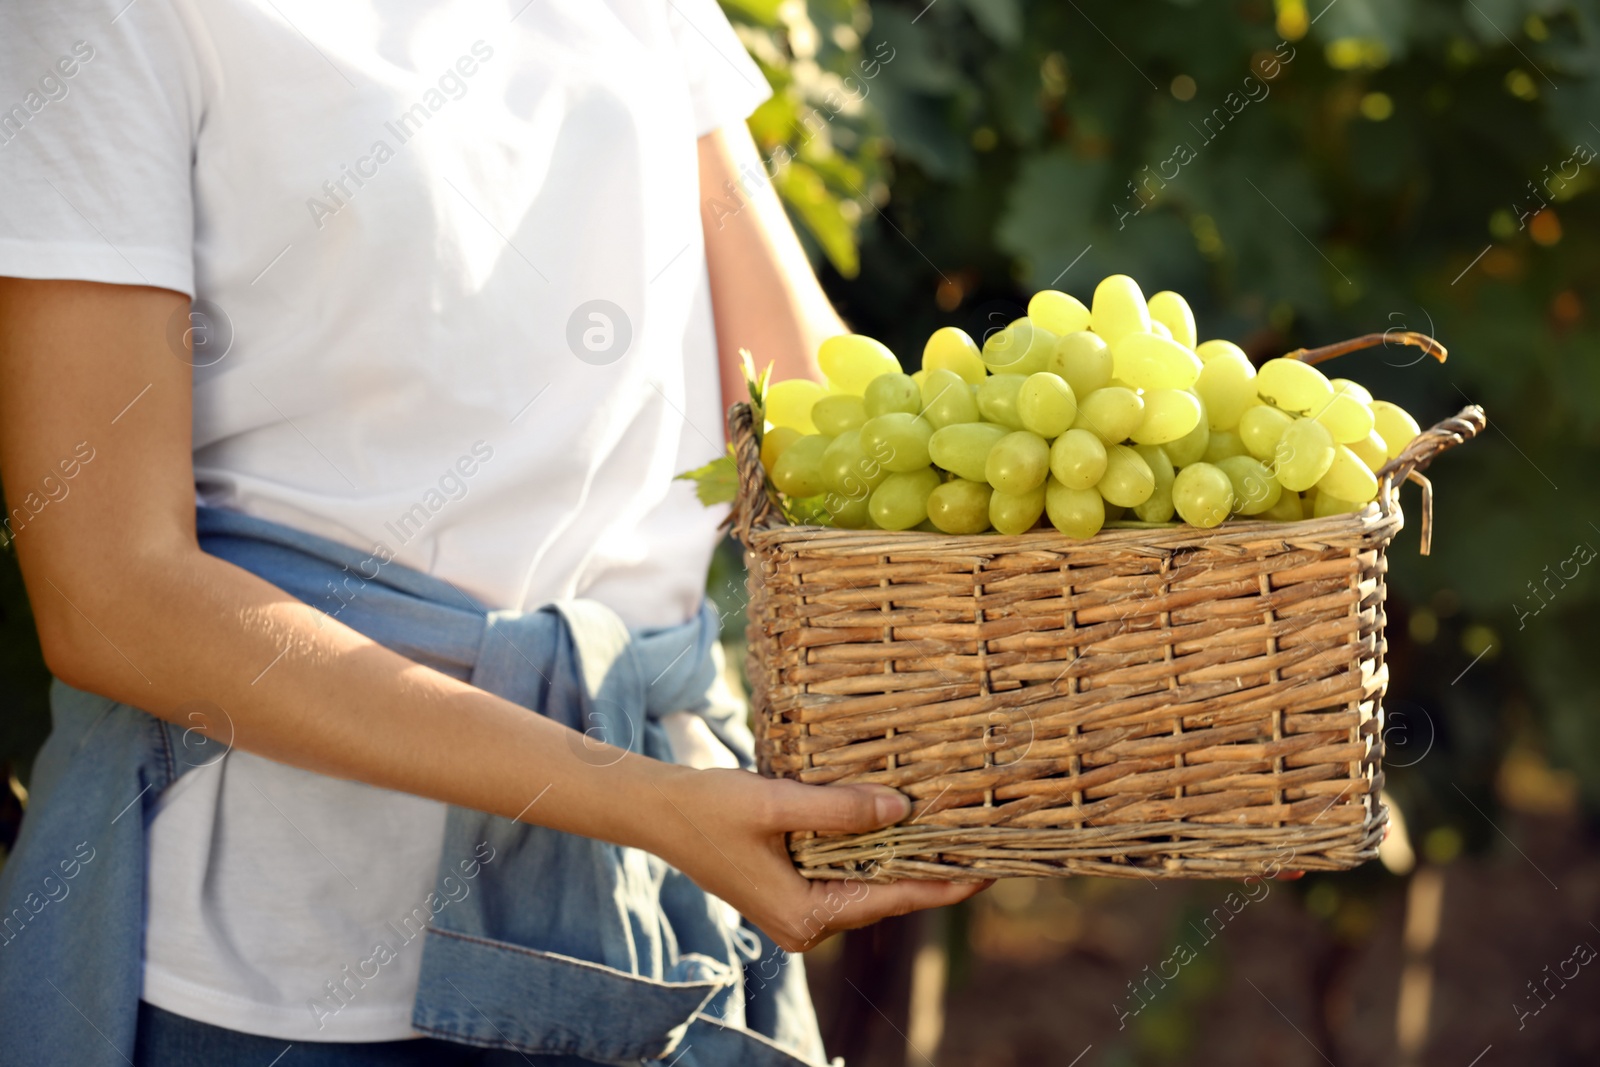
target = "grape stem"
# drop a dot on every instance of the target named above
(1367, 340)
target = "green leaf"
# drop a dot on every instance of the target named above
(804, 190)
(809, 511)
(715, 483)
(764, 12)
(757, 384)
(1001, 20)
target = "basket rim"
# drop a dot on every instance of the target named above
(1375, 521)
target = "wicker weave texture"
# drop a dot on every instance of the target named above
(1146, 703)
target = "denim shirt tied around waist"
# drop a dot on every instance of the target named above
(566, 946)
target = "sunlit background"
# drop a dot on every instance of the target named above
(1302, 172)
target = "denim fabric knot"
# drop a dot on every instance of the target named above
(569, 945)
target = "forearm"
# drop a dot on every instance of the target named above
(128, 606)
(189, 632)
(764, 294)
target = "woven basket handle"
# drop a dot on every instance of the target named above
(1369, 340)
(1407, 466)
(753, 506)
(1416, 456)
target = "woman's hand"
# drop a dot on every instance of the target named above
(725, 829)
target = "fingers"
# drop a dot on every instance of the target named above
(829, 913)
(1289, 876)
(851, 809)
(902, 898)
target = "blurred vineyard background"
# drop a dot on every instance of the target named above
(1302, 172)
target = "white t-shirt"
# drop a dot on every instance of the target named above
(452, 306)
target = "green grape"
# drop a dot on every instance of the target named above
(1159, 507)
(949, 348)
(848, 470)
(1203, 495)
(1191, 447)
(841, 462)
(1160, 330)
(1057, 312)
(1325, 504)
(926, 526)
(774, 441)
(798, 471)
(902, 500)
(1168, 415)
(1021, 348)
(1348, 478)
(852, 360)
(1346, 417)
(835, 414)
(1083, 360)
(960, 507)
(1113, 412)
(963, 449)
(1018, 462)
(1255, 490)
(1075, 512)
(1287, 509)
(1046, 404)
(1355, 389)
(892, 392)
(1223, 443)
(1016, 513)
(997, 399)
(1395, 425)
(947, 400)
(1172, 311)
(1150, 362)
(1372, 451)
(1118, 309)
(898, 440)
(789, 403)
(1293, 386)
(1210, 350)
(1128, 480)
(1078, 459)
(847, 512)
(1261, 428)
(1304, 454)
(1226, 383)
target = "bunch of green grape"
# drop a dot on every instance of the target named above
(1076, 416)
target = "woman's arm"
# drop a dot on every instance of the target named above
(129, 607)
(764, 294)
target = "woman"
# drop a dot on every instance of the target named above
(456, 322)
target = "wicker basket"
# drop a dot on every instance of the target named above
(1167, 703)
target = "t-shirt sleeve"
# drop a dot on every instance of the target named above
(100, 107)
(725, 84)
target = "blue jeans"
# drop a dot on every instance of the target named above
(168, 1040)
